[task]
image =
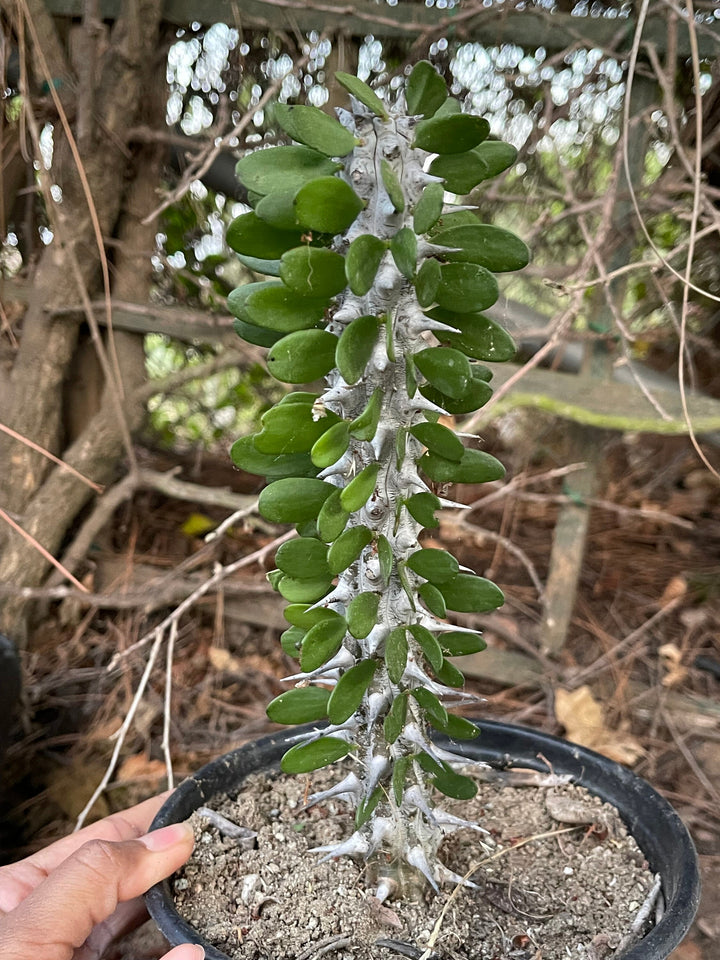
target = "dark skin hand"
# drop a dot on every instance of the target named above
(72, 899)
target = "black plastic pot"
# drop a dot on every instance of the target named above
(651, 820)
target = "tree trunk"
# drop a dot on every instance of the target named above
(42, 498)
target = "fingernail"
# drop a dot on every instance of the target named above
(198, 952)
(167, 837)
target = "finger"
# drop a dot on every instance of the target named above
(59, 916)
(17, 880)
(187, 951)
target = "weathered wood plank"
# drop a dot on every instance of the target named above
(596, 403)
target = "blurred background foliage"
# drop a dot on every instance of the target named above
(561, 109)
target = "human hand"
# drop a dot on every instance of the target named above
(70, 900)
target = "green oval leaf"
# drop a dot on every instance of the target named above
(303, 591)
(328, 205)
(466, 288)
(422, 507)
(438, 566)
(362, 614)
(439, 439)
(345, 550)
(313, 271)
(357, 493)
(282, 168)
(301, 705)
(428, 208)
(496, 155)
(396, 653)
(399, 775)
(426, 90)
(478, 336)
(453, 133)
(328, 448)
(470, 594)
(350, 690)
(362, 261)
(302, 356)
(449, 108)
(366, 807)
(458, 728)
(460, 644)
(433, 599)
(362, 92)
(403, 248)
(311, 756)
(446, 369)
(477, 394)
(392, 186)
(427, 282)
(476, 466)
(278, 209)
(365, 426)
(460, 171)
(250, 235)
(455, 785)
(385, 557)
(278, 308)
(395, 719)
(454, 218)
(315, 129)
(303, 559)
(450, 675)
(238, 297)
(290, 428)
(332, 518)
(246, 456)
(434, 710)
(299, 396)
(491, 247)
(428, 644)
(291, 641)
(293, 500)
(269, 268)
(251, 333)
(304, 617)
(321, 643)
(355, 347)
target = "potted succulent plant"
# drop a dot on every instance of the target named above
(378, 286)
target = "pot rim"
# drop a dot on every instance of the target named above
(652, 821)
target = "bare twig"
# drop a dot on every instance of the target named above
(607, 659)
(221, 574)
(204, 161)
(51, 456)
(157, 637)
(165, 744)
(41, 550)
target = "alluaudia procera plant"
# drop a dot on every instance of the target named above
(379, 289)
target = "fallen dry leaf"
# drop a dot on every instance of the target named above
(71, 788)
(222, 659)
(675, 588)
(671, 659)
(582, 717)
(141, 767)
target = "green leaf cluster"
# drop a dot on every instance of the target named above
(310, 233)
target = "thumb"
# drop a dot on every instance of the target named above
(84, 890)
